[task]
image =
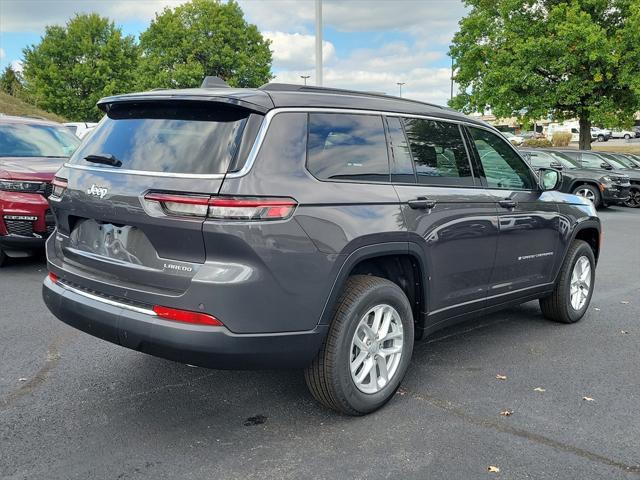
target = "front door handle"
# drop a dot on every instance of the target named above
(422, 203)
(508, 203)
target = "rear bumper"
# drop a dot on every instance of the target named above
(213, 347)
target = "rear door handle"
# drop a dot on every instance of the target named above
(508, 203)
(421, 203)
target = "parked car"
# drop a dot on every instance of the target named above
(599, 160)
(624, 164)
(80, 129)
(531, 134)
(513, 139)
(600, 134)
(301, 227)
(626, 134)
(599, 186)
(30, 153)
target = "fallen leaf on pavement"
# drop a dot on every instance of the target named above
(22, 379)
(539, 389)
(596, 309)
(401, 391)
(506, 413)
(625, 302)
(492, 469)
(501, 377)
(624, 332)
(587, 399)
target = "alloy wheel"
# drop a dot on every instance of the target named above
(634, 198)
(376, 349)
(586, 193)
(580, 283)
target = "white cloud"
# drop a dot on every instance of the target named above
(16, 66)
(297, 51)
(2, 54)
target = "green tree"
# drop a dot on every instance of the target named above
(75, 65)
(200, 38)
(10, 82)
(540, 58)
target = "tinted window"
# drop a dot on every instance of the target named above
(401, 165)
(31, 140)
(347, 147)
(168, 137)
(438, 152)
(503, 167)
(589, 160)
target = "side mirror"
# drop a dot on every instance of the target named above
(556, 166)
(606, 166)
(549, 179)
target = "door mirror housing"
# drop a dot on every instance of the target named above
(549, 179)
(606, 166)
(556, 166)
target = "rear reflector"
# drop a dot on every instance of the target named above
(186, 316)
(53, 277)
(228, 208)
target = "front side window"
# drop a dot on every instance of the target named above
(503, 167)
(347, 147)
(438, 152)
(589, 160)
(540, 159)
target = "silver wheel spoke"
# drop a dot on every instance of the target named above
(580, 285)
(376, 349)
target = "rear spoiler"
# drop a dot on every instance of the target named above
(252, 100)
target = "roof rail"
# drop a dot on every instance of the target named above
(290, 87)
(211, 81)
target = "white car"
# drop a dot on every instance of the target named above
(514, 139)
(626, 134)
(80, 129)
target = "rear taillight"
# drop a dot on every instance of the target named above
(238, 208)
(228, 208)
(186, 316)
(59, 187)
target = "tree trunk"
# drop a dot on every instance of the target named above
(585, 134)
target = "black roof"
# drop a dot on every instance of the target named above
(274, 95)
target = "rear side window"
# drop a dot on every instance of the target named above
(347, 147)
(171, 137)
(438, 152)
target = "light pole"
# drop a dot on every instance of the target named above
(319, 43)
(304, 77)
(400, 85)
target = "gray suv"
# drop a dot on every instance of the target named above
(302, 227)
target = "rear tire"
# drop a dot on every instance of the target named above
(572, 294)
(348, 353)
(601, 138)
(627, 136)
(589, 192)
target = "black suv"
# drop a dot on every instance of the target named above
(613, 163)
(304, 227)
(598, 185)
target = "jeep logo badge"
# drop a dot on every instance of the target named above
(96, 191)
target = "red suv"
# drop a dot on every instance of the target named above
(31, 151)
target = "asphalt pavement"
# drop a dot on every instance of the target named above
(75, 407)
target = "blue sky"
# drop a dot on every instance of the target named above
(368, 44)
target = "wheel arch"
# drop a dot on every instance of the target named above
(400, 262)
(590, 232)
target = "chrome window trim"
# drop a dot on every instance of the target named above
(262, 133)
(113, 303)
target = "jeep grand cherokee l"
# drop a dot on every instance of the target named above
(304, 227)
(31, 151)
(599, 186)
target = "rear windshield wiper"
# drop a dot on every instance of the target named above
(105, 159)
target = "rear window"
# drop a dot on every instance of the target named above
(170, 137)
(347, 147)
(32, 140)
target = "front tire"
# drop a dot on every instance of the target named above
(627, 136)
(367, 350)
(589, 192)
(601, 138)
(3, 257)
(572, 294)
(634, 198)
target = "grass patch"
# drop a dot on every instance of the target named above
(631, 148)
(14, 106)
